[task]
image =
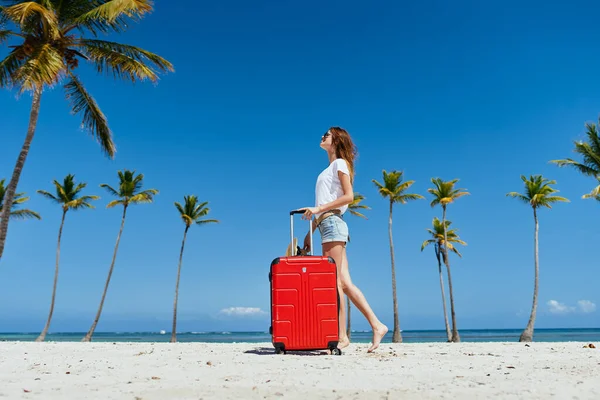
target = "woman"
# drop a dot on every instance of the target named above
(333, 194)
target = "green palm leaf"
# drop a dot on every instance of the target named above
(24, 214)
(538, 192)
(50, 52)
(193, 212)
(595, 193)
(94, 120)
(126, 62)
(110, 11)
(437, 236)
(68, 195)
(394, 189)
(444, 192)
(18, 200)
(355, 205)
(130, 190)
(589, 151)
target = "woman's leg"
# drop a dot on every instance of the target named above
(337, 250)
(333, 250)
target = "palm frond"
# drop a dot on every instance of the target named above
(5, 34)
(82, 202)
(585, 170)
(444, 192)
(180, 209)
(49, 196)
(8, 68)
(115, 203)
(393, 187)
(109, 189)
(29, 13)
(146, 196)
(113, 9)
(207, 221)
(519, 196)
(24, 214)
(538, 192)
(408, 197)
(595, 193)
(427, 243)
(357, 214)
(93, 118)
(124, 61)
(44, 67)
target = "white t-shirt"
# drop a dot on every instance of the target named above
(329, 187)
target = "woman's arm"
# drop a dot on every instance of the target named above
(346, 198)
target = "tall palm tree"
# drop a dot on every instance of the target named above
(538, 193)
(129, 193)
(394, 189)
(191, 213)
(444, 193)
(353, 210)
(437, 239)
(49, 39)
(18, 199)
(67, 195)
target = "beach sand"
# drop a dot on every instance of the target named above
(253, 371)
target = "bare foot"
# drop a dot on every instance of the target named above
(343, 343)
(378, 334)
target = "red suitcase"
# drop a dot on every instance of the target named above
(304, 301)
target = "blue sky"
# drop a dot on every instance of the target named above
(479, 92)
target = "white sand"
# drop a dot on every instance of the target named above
(250, 371)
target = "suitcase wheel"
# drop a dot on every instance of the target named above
(279, 350)
(336, 352)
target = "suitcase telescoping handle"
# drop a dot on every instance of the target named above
(292, 230)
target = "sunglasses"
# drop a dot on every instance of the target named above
(325, 136)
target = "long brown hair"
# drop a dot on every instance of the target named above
(344, 147)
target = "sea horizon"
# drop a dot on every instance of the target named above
(357, 336)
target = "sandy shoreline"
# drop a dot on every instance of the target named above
(252, 371)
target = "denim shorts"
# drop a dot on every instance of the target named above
(333, 229)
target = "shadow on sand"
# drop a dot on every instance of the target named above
(270, 351)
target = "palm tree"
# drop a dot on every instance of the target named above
(444, 193)
(352, 209)
(191, 213)
(590, 152)
(67, 195)
(17, 200)
(538, 193)
(51, 36)
(394, 189)
(437, 239)
(129, 193)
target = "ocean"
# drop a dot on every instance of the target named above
(428, 336)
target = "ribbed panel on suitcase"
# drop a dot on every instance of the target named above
(304, 303)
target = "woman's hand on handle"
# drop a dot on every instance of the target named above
(309, 212)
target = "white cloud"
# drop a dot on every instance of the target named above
(586, 306)
(559, 308)
(242, 311)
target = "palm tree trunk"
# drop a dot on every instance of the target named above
(42, 336)
(348, 325)
(396, 337)
(88, 336)
(527, 335)
(174, 330)
(455, 336)
(437, 254)
(12, 185)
